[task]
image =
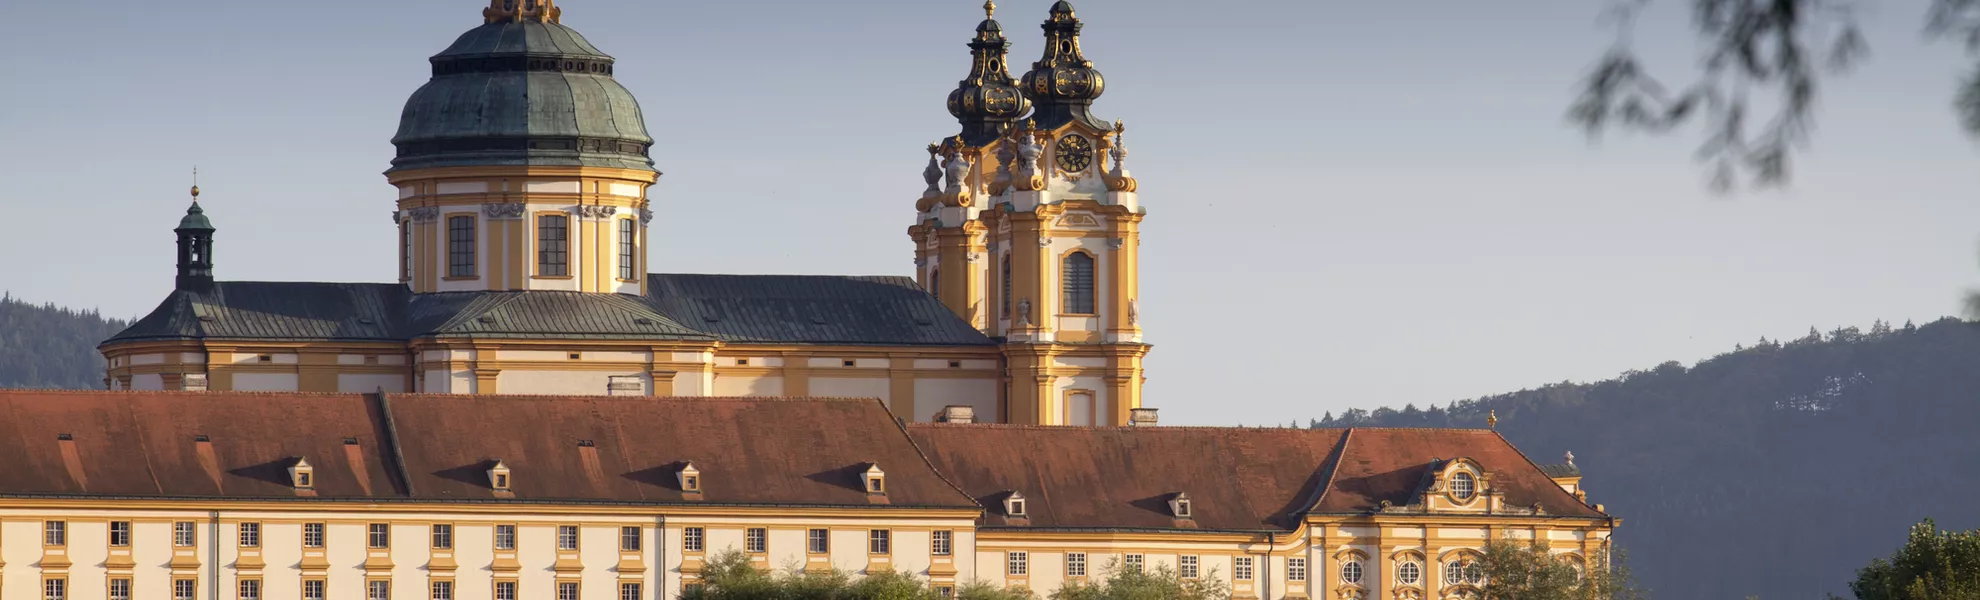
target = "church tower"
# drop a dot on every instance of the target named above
(1041, 219)
(522, 164)
(195, 249)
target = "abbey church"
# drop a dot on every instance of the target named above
(522, 177)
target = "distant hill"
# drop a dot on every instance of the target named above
(49, 347)
(1776, 470)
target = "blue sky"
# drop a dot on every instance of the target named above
(1350, 203)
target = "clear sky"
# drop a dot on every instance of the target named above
(1350, 203)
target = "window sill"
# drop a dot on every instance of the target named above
(554, 277)
(625, 280)
(1079, 314)
(463, 278)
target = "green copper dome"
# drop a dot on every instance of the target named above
(522, 91)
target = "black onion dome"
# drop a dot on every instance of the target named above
(522, 91)
(988, 101)
(1063, 84)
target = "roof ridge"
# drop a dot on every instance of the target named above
(1119, 427)
(181, 393)
(901, 426)
(1543, 473)
(636, 399)
(1333, 468)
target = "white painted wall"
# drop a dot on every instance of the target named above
(265, 382)
(746, 385)
(931, 394)
(369, 383)
(850, 387)
(579, 383)
(147, 381)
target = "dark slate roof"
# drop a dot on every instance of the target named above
(285, 311)
(744, 309)
(807, 309)
(540, 315)
(1561, 471)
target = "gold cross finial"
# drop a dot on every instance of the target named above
(990, 9)
(1492, 420)
(195, 190)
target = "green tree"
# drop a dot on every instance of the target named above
(1773, 51)
(1159, 583)
(731, 576)
(1932, 565)
(1517, 570)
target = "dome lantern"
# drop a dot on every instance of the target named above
(988, 101)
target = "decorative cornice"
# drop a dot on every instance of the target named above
(593, 211)
(503, 211)
(645, 216)
(424, 214)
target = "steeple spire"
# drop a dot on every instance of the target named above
(988, 100)
(195, 246)
(1063, 84)
(521, 10)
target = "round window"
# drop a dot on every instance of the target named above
(1351, 571)
(1453, 573)
(1409, 572)
(1462, 486)
(1474, 573)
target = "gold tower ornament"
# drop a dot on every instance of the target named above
(1492, 420)
(542, 11)
(990, 9)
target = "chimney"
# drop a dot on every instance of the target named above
(956, 414)
(1141, 417)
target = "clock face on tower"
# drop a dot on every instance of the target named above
(1075, 153)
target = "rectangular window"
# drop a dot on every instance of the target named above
(941, 543)
(1132, 562)
(312, 589)
(460, 246)
(120, 533)
(183, 534)
(567, 537)
(1077, 278)
(120, 589)
(818, 541)
(250, 535)
(629, 591)
(443, 537)
(185, 589)
(553, 258)
(55, 533)
(250, 589)
(505, 537)
(1241, 568)
(1017, 563)
(879, 541)
(443, 590)
(55, 589)
(691, 539)
(1187, 565)
(505, 590)
(1295, 569)
(378, 589)
(378, 536)
(756, 539)
(405, 252)
(627, 264)
(567, 590)
(1075, 564)
(312, 535)
(631, 539)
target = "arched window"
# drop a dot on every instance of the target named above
(1007, 285)
(1077, 279)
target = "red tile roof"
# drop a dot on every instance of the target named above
(438, 448)
(1122, 477)
(1238, 479)
(144, 444)
(1390, 464)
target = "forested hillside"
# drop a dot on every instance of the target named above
(49, 347)
(1774, 471)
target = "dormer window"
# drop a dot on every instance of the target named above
(498, 476)
(1014, 505)
(876, 480)
(1179, 506)
(302, 475)
(1463, 486)
(690, 478)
